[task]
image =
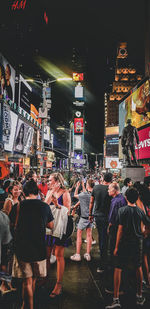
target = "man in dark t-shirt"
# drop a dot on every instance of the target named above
(100, 200)
(30, 251)
(129, 245)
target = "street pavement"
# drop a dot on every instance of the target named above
(83, 287)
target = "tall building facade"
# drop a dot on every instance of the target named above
(125, 78)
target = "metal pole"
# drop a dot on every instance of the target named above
(69, 155)
(42, 137)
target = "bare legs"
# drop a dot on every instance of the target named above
(28, 288)
(79, 240)
(117, 280)
(59, 253)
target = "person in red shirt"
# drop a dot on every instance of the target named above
(43, 187)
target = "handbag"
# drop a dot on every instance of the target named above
(70, 227)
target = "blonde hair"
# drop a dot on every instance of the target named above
(58, 177)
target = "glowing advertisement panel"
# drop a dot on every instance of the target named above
(112, 144)
(112, 163)
(47, 133)
(143, 149)
(9, 127)
(23, 137)
(77, 77)
(136, 107)
(79, 92)
(77, 141)
(78, 125)
(7, 83)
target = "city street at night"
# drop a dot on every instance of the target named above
(74, 154)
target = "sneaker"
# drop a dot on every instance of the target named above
(115, 304)
(76, 257)
(87, 257)
(100, 270)
(85, 240)
(52, 259)
(140, 300)
(93, 242)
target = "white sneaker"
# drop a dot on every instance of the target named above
(93, 241)
(52, 259)
(76, 257)
(87, 257)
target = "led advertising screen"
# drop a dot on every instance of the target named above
(136, 107)
(23, 137)
(112, 144)
(7, 82)
(112, 163)
(143, 149)
(47, 133)
(112, 130)
(78, 77)
(9, 127)
(77, 141)
(34, 113)
(78, 125)
(23, 94)
(79, 92)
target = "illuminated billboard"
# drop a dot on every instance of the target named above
(112, 130)
(112, 145)
(34, 113)
(7, 81)
(78, 77)
(23, 94)
(136, 107)
(112, 163)
(47, 133)
(23, 137)
(9, 127)
(77, 141)
(143, 149)
(78, 125)
(79, 91)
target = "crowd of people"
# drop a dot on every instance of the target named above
(36, 224)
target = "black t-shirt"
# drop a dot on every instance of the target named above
(131, 218)
(31, 228)
(102, 200)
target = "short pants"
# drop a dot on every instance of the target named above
(22, 269)
(129, 253)
(84, 224)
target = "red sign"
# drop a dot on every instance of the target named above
(143, 149)
(147, 169)
(78, 77)
(78, 125)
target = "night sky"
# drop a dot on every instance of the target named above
(95, 25)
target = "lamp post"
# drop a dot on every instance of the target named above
(45, 84)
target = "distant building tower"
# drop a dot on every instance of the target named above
(125, 78)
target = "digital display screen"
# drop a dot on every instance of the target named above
(8, 127)
(136, 107)
(7, 82)
(23, 137)
(112, 144)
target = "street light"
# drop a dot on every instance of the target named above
(44, 104)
